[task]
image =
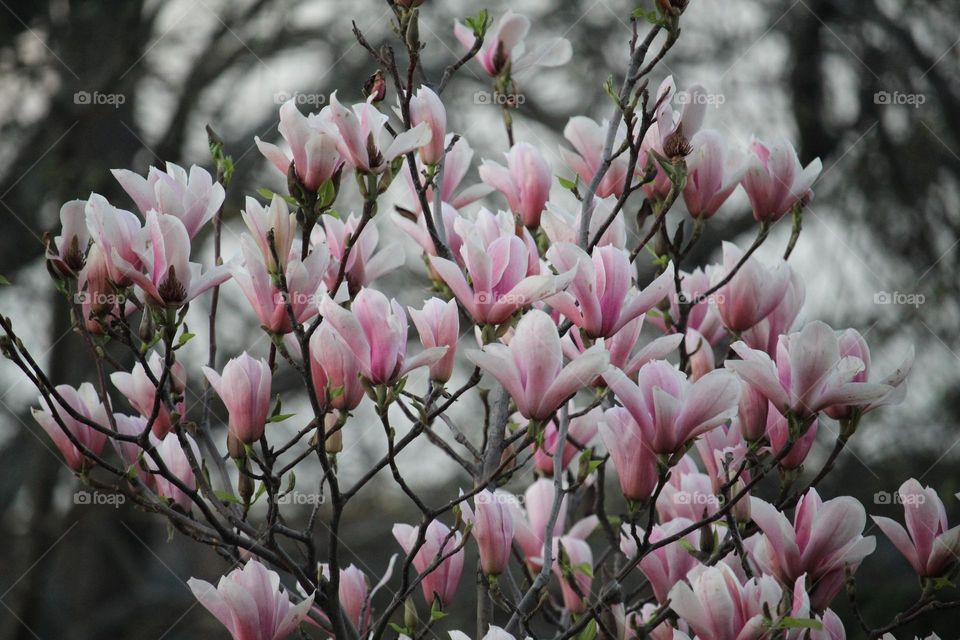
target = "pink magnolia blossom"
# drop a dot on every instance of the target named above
(703, 316)
(783, 319)
(824, 539)
(362, 139)
(634, 460)
(304, 281)
(672, 131)
(177, 464)
(117, 234)
(315, 157)
(931, 548)
(426, 107)
(354, 594)
(168, 277)
(753, 292)
(588, 138)
(599, 300)
(689, 494)
(375, 330)
(499, 264)
(250, 603)
(192, 198)
(365, 263)
(809, 375)
(852, 344)
(438, 547)
(69, 249)
(574, 554)
(244, 388)
(525, 181)
(494, 633)
(276, 218)
(700, 354)
(140, 390)
(669, 564)
(620, 347)
(717, 606)
(751, 417)
(438, 324)
(335, 371)
(714, 171)
(778, 432)
(531, 367)
(129, 452)
(669, 409)
(493, 528)
(503, 46)
(531, 520)
(580, 433)
(775, 180)
(84, 401)
(419, 233)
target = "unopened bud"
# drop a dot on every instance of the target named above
(235, 447)
(334, 430)
(410, 618)
(673, 7)
(245, 487)
(407, 4)
(147, 327)
(376, 87)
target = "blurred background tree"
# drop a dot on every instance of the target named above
(870, 86)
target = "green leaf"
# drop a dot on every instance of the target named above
(185, 338)
(281, 417)
(479, 23)
(399, 629)
(569, 185)
(326, 194)
(436, 613)
(226, 496)
(586, 569)
(590, 632)
(799, 623)
(4, 281)
(291, 482)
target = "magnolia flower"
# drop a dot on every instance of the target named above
(634, 460)
(250, 603)
(276, 218)
(852, 344)
(193, 199)
(494, 633)
(620, 347)
(362, 139)
(670, 137)
(525, 181)
(375, 331)
(177, 464)
(273, 306)
(599, 300)
(809, 375)
(702, 316)
(532, 517)
(783, 319)
(563, 226)
(669, 409)
(573, 567)
(83, 401)
(717, 606)
(244, 388)
(169, 279)
(503, 46)
(140, 390)
(689, 494)
(778, 432)
(117, 234)
(69, 249)
(426, 107)
(752, 293)
(335, 371)
(931, 548)
(824, 539)
(531, 367)
(500, 265)
(666, 566)
(588, 138)
(775, 180)
(438, 324)
(314, 150)
(364, 264)
(714, 170)
(438, 548)
(492, 529)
